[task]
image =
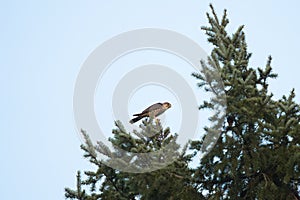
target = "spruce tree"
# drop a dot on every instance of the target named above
(170, 182)
(257, 155)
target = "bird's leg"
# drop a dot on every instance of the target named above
(156, 120)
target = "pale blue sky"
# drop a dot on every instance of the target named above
(44, 43)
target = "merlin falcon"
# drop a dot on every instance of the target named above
(152, 111)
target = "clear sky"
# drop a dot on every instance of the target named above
(44, 43)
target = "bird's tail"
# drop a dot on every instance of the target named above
(135, 119)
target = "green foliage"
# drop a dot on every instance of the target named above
(166, 182)
(256, 157)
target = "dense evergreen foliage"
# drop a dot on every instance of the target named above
(256, 157)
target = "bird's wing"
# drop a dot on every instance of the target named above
(150, 108)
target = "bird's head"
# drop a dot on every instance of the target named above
(167, 105)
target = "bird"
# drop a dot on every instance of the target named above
(152, 111)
